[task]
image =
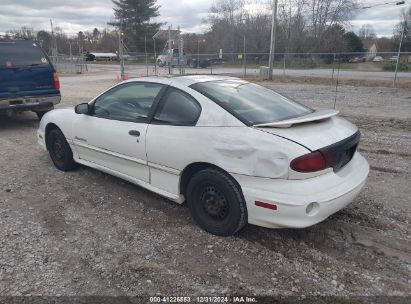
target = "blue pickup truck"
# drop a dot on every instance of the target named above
(28, 80)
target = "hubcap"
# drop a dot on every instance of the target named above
(214, 203)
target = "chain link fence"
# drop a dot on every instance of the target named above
(69, 64)
(327, 66)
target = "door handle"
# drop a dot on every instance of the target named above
(134, 133)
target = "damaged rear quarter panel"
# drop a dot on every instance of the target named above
(240, 150)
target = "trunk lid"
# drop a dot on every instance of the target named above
(335, 138)
(315, 134)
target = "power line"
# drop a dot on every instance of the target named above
(385, 3)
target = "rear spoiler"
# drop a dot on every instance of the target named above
(314, 116)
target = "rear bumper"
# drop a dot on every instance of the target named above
(29, 103)
(331, 192)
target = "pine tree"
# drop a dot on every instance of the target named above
(133, 18)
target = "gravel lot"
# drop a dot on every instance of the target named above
(88, 233)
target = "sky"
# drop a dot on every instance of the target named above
(80, 15)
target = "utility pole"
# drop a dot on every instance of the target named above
(121, 53)
(181, 60)
(170, 52)
(399, 51)
(244, 59)
(272, 45)
(54, 51)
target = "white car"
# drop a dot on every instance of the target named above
(378, 59)
(235, 151)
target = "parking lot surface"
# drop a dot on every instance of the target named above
(88, 233)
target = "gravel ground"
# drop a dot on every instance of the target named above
(88, 233)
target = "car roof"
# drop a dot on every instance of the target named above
(185, 80)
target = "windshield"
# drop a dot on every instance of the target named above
(17, 54)
(251, 103)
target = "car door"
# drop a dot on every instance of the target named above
(114, 134)
(170, 134)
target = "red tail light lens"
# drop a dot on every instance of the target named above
(310, 162)
(56, 81)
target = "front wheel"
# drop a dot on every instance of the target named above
(60, 151)
(216, 202)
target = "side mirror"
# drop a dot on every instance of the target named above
(82, 108)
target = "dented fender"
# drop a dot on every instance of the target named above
(239, 150)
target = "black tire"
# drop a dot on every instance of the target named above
(60, 151)
(216, 202)
(40, 114)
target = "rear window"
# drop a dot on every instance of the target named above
(16, 54)
(251, 103)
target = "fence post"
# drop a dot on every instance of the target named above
(155, 56)
(332, 76)
(145, 50)
(284, 64)
(244, 61)
(336, 83)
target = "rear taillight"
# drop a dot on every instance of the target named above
(334, 156)
(56, 81)
(310, 162)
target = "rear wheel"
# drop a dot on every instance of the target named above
(60, 151)
(216, 202)
(40, 113)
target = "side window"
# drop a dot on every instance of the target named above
(130, 101)
(178, 108)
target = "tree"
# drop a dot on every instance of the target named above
(385, 44)
(302, 25)
(353, 43)
(292, 25)
(333, 39)
(404, 25)
(108, 41)
(96, 35)
(133, 17)
(23, 32)
(326, 13)
(44, 39)
(367, 32)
